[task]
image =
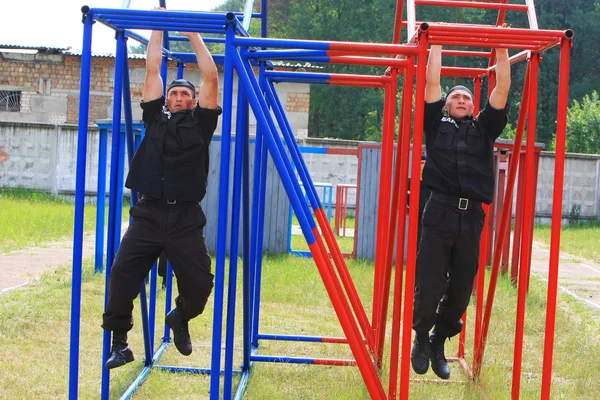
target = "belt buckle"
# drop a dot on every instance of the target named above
(462, 201)
(171, 202)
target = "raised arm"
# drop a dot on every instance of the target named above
(433, 88)
(499, 95)
(209, 90)
(153, 85)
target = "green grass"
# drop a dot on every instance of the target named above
(30, 219)
(34, 326)
(579, 240)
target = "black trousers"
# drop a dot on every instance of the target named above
(447, 263)
(176, 229)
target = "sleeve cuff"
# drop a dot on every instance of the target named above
(211, 111)
(153, 103)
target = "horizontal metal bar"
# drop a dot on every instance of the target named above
(150, 14)
(205, 39)
(301, 338)
(316, 75)
(472, 4)
(371, 48)
(302, 360)
(285, 54)
(181, 26)
(190, 370)
(519, 32)
(158, 27)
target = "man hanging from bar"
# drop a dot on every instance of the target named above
(170, 169)
(460, 174)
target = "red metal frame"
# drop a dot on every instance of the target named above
(367, 338)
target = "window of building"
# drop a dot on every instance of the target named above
(10, 100)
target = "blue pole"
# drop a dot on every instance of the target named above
(168, 301)
(114, 215)
(180, 67)
(246, 241)
(264, 18)
(84, 98)
(101, 199)
(233, 250)
(261, 185)
(222, 217)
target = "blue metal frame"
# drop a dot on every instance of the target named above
(252, 93)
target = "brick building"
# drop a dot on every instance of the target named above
(43, 86)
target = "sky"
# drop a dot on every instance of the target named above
(57, 23)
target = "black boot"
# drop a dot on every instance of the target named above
(181, 334)
(439, 364)
(419, 356)
(120, 353)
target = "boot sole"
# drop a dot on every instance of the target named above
(126, 360)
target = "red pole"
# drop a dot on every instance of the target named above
(508, 203)
(514, 267)
(527, 227)
(559, 170)
(344, 274)
(400, 189)
(338, 209)
(398, 22)
(504, 226)
(536, 164)
(342, 309)
(388, 253)
(409, 288)
(385, 182)
(480, 280)
(476, 110)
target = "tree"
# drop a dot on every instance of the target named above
(583, 126)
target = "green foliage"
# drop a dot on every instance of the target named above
(373, 21)
(583, 126)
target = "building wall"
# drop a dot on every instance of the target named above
(49, 85)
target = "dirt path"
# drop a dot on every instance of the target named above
(578, 277)
(21, 266)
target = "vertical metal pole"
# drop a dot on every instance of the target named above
(84, 98)
(527, 227)
(559, 170)
(387, 252)
(114, 214)
(404, 149)
(101, 199)
(233, 249)
(247, 281)
(222, 217)
(264, 18)
(415, 189)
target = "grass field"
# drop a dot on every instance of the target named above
(35, 323)
(579, 240)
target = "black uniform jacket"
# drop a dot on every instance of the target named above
(172, 160)
(460, 158)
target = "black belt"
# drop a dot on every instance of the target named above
(459, 202)
(167, 201)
